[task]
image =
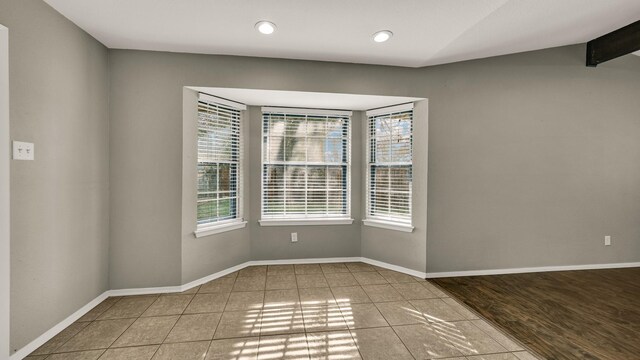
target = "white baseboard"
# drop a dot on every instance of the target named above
(145, 291)
(304, 261)
(180, 288)
(434, 275)
(42, 339)
(219, 274)
(397, 268)
(340, 260)
(214, 276)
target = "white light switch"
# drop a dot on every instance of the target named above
(607, 240)
(23, 150)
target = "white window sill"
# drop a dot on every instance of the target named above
(304, 222)
(219, 228)
(388, 225)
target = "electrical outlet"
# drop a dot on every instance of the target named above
(607, 240)
(23, 150)
(294, 237)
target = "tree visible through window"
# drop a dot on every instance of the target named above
(306, 165)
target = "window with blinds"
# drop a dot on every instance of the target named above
(219, 157)
(389, 163)
(305, 164)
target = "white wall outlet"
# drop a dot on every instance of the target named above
(294, 237)
(607, 240)
(23, 150)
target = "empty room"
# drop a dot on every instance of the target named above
(297, 179)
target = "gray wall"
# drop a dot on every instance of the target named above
(274, 242)
(530, 157)
(146, 105)
(210, 254)
(145, 156)
(401, 248)
(533, 159)
(59, 212)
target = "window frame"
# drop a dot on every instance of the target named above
(390, 223)
(237, 222)
(296, 220)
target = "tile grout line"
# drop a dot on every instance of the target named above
(340, 309)
(214, 330)
(93, 321)
(350, 331)
(174, 325)
(304, 322)
(403, 343)
(197, 291)
(130, 325)
(90, 322)
(381, 314)
(46, 356)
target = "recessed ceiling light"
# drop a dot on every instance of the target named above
(265, 27)
(382, 36)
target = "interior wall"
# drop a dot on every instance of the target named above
(530, 155)
(315, 241)
(58, 80)
(146, 190)
(406, 249)
(4, 193)
(532, 161)
(209, 254)
(145, 156)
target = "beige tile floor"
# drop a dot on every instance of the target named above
(310, 311)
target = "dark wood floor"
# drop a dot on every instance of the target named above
(591, 314)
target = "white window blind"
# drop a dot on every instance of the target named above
(219, 157)
(306, 164)
(390, 163)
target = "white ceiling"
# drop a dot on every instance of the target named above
(427, 32)
(299, 99)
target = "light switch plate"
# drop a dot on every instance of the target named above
(23, 150)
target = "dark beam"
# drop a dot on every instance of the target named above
(614, 44)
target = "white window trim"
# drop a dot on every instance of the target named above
(221, 227)
(217, 227)
(214, 99)
(371, 220)
(388, 225)
(390, 109)
(305, 222)
(304, 111)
